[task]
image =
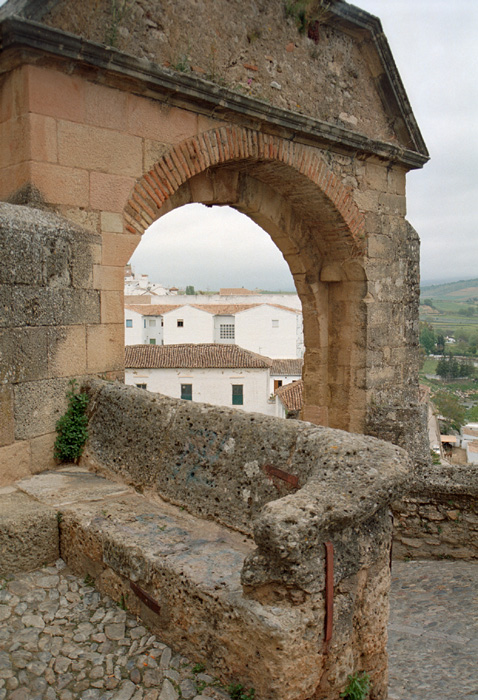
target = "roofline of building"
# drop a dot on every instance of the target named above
(23, 41)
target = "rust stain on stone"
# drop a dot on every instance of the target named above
(280, 474)
(145, 598)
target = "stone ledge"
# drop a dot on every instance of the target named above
(28, 533)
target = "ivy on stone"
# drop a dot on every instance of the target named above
(72, 427)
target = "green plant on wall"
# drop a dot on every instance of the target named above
(120, 9)
(308, 14)
(357, 688)
(72, 428)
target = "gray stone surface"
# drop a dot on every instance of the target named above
(212, 461)
(28, 534)
(433, 640)
(69, 485)
(71, 657)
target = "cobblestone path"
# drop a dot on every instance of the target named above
(433, 631)
(62, 640)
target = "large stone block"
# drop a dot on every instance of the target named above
(28, 533)
(66, 351)
(104, 150)
(23, 354)
(7, 424)
(14, 462)
(38, 406)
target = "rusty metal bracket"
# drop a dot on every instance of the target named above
(280, 474)
(329, 590)
(145, 597)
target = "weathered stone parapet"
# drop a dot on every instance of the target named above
(216, 462)
(438, 519)
(294, 487)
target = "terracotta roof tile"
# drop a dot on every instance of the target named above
(473, 446)
(152, 309)
(470, 432)
(235, 290)
(292, 366)
(228, 309)
(192, 356)
(291, 395)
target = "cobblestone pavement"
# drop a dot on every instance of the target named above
(433, 631)
(62, 640)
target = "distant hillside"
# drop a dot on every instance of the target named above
(453, 291)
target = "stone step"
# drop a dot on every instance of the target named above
(28, 533)
(179, 573)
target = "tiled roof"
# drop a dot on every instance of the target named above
(192, 356)
(235, 290)
(284, 308)
(226, 309)
(291, 395)
(469, 432)
(288, 367)
(223, 309)
(152, 309)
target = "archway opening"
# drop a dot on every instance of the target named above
(312, 220)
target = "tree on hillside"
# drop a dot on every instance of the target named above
(427, 337)
(449, 367)
(451, 409)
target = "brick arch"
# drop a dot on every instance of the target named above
(311, 217)
(229, 145)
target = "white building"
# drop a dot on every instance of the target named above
(289, 398)
(222, 375)
(139, 285)
(267, 329)
(472, 452)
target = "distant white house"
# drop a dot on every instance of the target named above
(139, 285)
(289, 399)
(222, 375)
(272, 330)
(472, 452)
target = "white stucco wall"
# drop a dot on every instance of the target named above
(134, 335)
(198, 326)
(256, 331)
(212, 386)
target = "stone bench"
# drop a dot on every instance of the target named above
(251, 596)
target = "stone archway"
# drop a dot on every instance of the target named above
(290, 192)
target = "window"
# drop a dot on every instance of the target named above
(144, 323)
(129, 323)
(141, 386)
(275, 323)
(187, 392)
(277, 384)
(152, 341)
(226, 331)
(180, 323)
(237, 395)
(152, 322)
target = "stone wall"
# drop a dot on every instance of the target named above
(439, 517)
(49, 316)
(255, 49)
(113, 142)
(293, 487)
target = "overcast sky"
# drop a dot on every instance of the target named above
(434, 43)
